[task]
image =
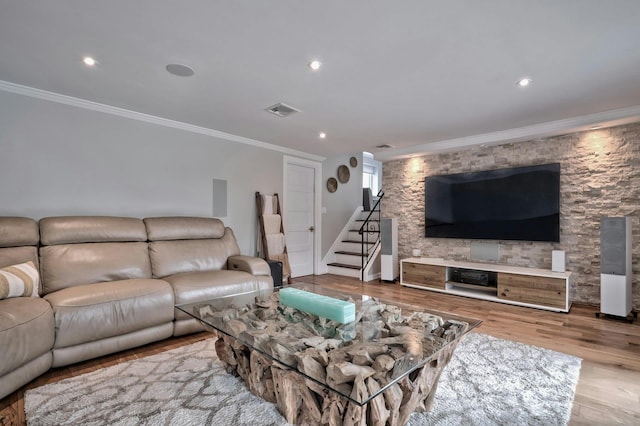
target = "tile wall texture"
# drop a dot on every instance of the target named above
(600, 176)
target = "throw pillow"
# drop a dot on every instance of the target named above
(19, 280)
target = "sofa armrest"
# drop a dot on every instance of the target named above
(250, 264)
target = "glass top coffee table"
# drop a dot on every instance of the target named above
(377, 360)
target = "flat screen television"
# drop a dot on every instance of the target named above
(521, 203)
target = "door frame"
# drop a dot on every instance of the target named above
(317, 201)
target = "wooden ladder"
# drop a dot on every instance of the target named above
(284, 258)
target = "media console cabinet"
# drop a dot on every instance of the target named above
(534, 288)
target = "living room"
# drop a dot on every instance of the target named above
(125, 137)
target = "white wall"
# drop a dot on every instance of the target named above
(340, 204)
(57, 159)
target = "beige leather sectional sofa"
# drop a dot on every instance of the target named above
(111, 283)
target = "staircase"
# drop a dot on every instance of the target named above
(357, 253)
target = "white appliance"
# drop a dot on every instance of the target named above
(389, 266)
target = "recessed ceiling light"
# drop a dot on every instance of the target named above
(524, 82)
(180, 70)
(89, 61)
(315, 65)
(322, 135)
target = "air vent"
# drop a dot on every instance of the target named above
(282, 110)
(384, 146)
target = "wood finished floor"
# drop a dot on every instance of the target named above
(608, 391)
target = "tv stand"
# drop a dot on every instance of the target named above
(530, 287)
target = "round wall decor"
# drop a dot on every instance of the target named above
(353, 161)
(332, 184)
(343, 174)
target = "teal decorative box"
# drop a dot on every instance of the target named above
(317, 304)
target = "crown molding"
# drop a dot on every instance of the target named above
(582, 123)
(147, 118)
(553, 128)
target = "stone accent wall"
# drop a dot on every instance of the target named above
(600, 176)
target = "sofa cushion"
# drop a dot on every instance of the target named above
(183, 256)
(26, 331)
(183, 228)
(201, 286)
(90, 229)
(176, 257)
(71, 265)
(89, 350)
(97, 311)
(12, 255)
(18, 231)
(21, 280)
(18, 240)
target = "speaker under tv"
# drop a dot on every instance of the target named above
(558, 262)
(518, 203)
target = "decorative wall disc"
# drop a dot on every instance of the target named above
(353, 161)
(332, 184)
(343, 174)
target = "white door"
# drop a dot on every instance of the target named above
(299, 218)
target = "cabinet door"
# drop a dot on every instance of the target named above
(423, 275)
(544, 291)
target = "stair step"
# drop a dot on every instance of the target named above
(351, 253)
(345, 272)
(358, 242)
(343, 265)
(370, 220)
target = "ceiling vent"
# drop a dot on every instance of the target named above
(384, 146)
(282, 110)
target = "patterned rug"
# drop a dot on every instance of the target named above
(489, 381)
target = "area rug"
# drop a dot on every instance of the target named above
(489, 381)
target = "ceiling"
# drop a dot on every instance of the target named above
(419, 75)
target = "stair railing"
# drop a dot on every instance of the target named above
(369, 229)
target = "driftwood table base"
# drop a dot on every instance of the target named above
(375, 370)
(305, 402)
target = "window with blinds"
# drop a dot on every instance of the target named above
(370, 177)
